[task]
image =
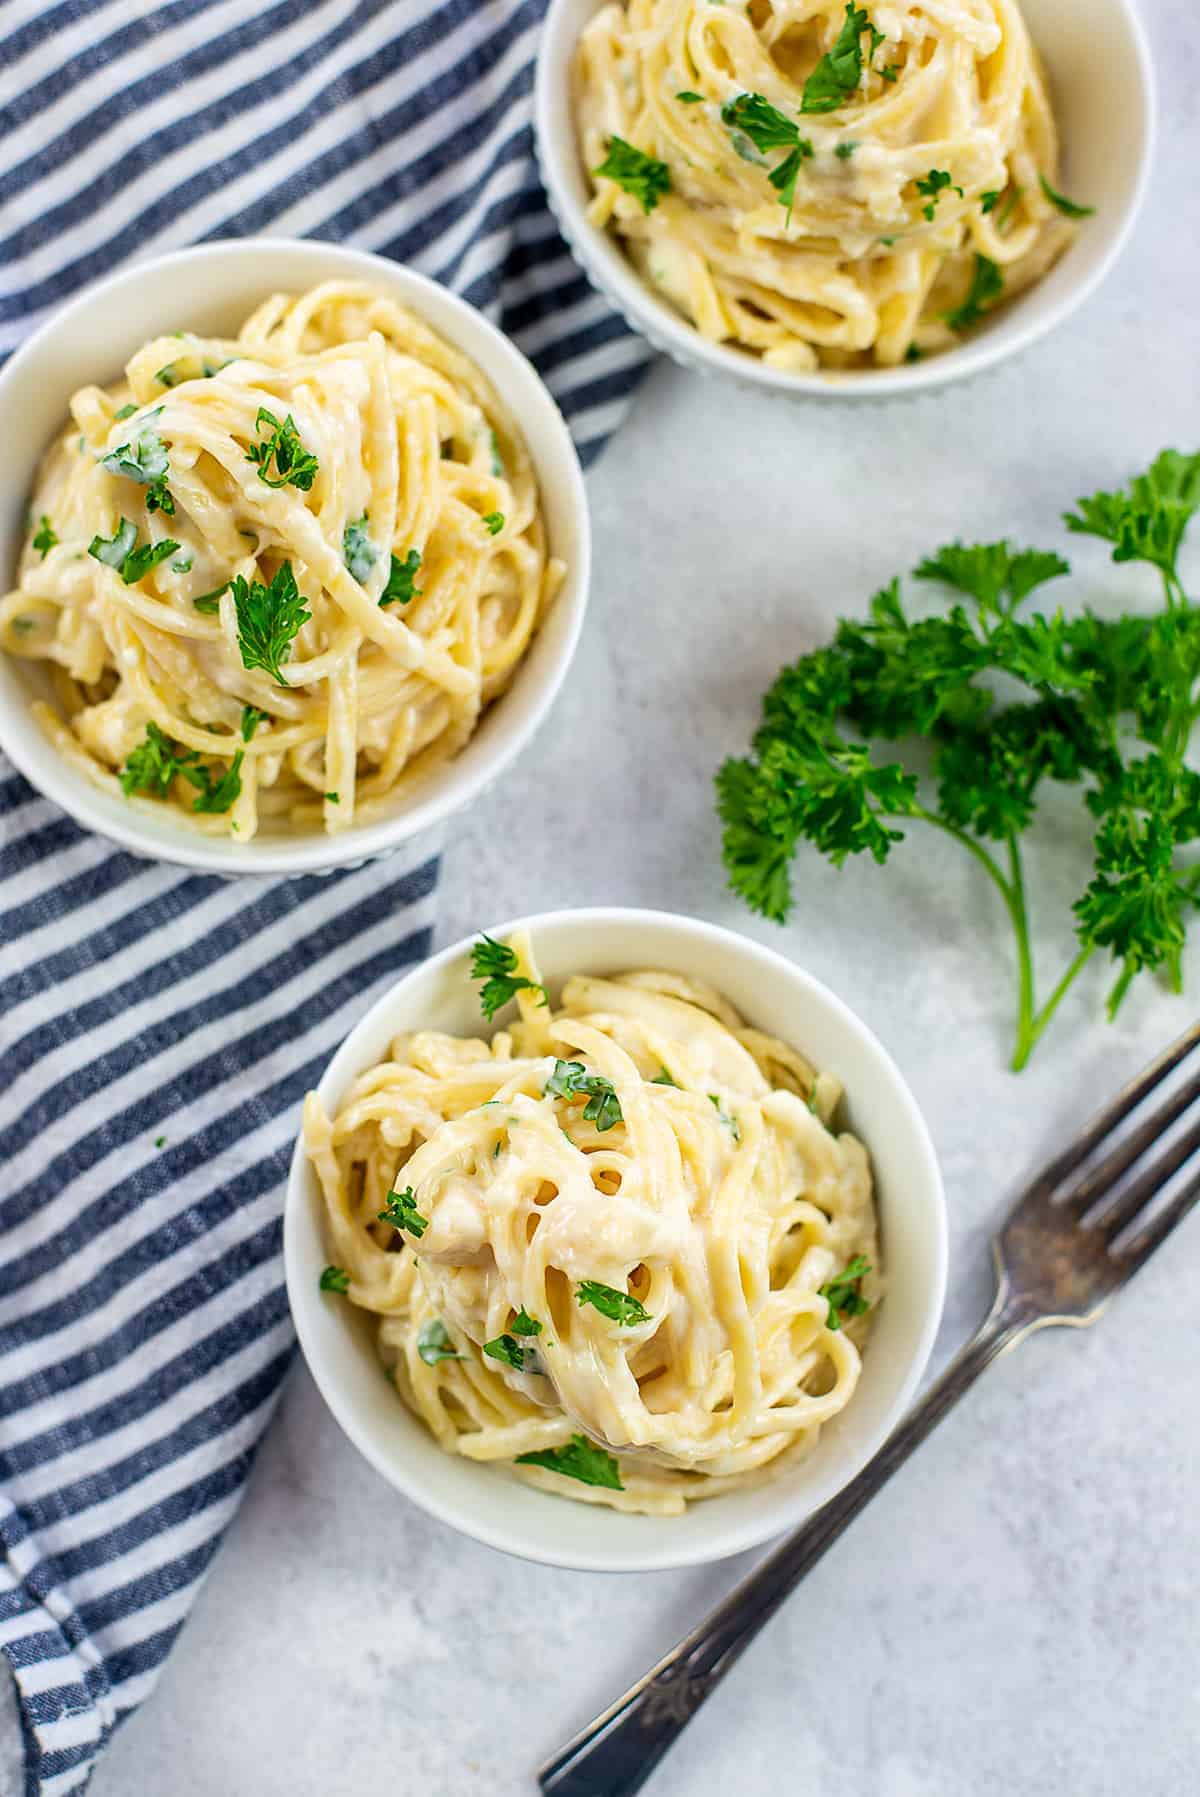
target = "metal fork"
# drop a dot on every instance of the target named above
(1058, 1261)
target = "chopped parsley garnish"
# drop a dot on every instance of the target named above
(1009, 207)
(580, 1459)
(497, 458)
(1005, 704)
(753, 117)
(121, 552)
(571, 1079)
(124, 413)
(844, 151)
(358, 551)
(269, 618)
(524, 1324)
(144, 459)
(663, 1078)
(183, 563)
(153, 765)
(933, 185)
(494, 522)
(645, 177)
(333, 798)
(496, 965)
(839, 72)
(45, 537)
(619, 1307)
(216, 795)
(434, 1343)
(334, 1279)
(1068, 207)
(209, 603)
(688, 98)
(251, 719)
(508, 1349)
(293, 466)
(730, 1123)
(160, 1141)
(400, 1210)
(913, 353)
(844, 1294)
(987, 285)
(400, 586)
(989, 201)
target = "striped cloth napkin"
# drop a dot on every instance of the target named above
(156, 1029)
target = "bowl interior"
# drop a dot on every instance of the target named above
(1102, 90)
(213, 288)
(339, 1341)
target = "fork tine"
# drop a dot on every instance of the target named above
(1103, 1177)
(1137, 1251)
(1105, 1121)
(1137, 1195)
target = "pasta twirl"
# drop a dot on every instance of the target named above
(620, 1215)
(920, 131)
(277, 578)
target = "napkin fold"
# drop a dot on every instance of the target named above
(158, 1029)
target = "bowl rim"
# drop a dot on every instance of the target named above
(160, 839)
(613, 276)
(477, 1520)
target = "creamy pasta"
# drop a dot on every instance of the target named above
(836, 186)
(278, 577)
(618, 1248)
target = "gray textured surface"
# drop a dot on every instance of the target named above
(1017, 1612)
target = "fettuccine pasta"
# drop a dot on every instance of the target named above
(618, 1248)
(836, 186)
(278, 578)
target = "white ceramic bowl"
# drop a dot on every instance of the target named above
(486, 1502)
(212, 288)
(1102, 84)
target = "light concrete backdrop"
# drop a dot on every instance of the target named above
(1017, 1613)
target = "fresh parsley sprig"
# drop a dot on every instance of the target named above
(281, 457)
(571, 1079)
(154, 763)
(843, 1293)
(645, 177)
(269, 618)
(1104, 705)
(495, 963)
(579, 1459)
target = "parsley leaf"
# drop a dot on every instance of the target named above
(153, 765)
(688, 98)
(44, 538)
(843, 1294)
(122, 552)
(580, 1459)
(400, 1210)
(1146, 521)
(933, 185)
(496, 965)
(508, 1349)
(645, 177)
(663, 1078)
(752, 117)
(1067, 207)
(358, 551)
(524, 1324)
(987, 284)
(124, 413)
(839, 72)
(216, 795)
(844, 151)
(334, 1279)
(269, 618)
(434, 1343)
(619, 1307)
(144, 459)
(997, 577)
(209, 603)
(494, 522)
(571, 1079)
(400, 588)
(989, 201)
(293, 466)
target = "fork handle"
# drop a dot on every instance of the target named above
(616, 1754)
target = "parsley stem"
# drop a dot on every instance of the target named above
(1052, 1003)
(977, 849)
(1020, 921)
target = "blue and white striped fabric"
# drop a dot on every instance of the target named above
(157, 1029)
